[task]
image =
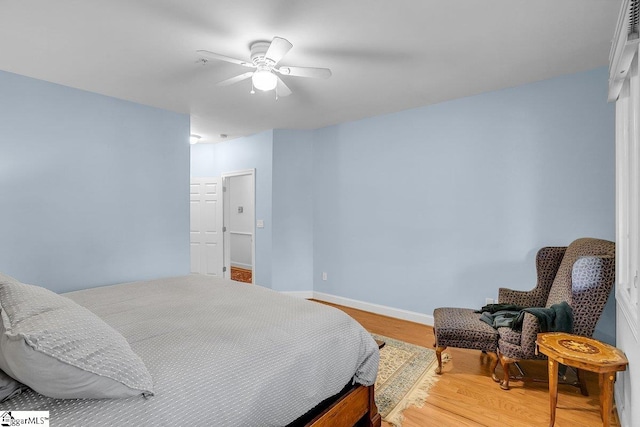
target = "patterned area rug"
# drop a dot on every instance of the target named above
(405, 375)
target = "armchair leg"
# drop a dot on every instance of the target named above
(506, 365)
(439, 351)
(581, 383)
(494, 365)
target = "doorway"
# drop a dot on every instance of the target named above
(239, 225)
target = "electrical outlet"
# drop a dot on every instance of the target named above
(488, 301)
(324, 275)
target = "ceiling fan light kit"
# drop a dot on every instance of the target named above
(264, 80)
(265, 57)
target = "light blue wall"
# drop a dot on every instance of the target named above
(284, 249)
(251, 152)
(93, 190)
(441, 205)
(292, 210)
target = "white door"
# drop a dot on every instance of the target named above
(206, 226)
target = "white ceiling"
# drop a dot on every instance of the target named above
(386, 55)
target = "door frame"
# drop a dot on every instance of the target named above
(225, 221)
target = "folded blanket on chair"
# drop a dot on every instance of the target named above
(500, 318)
(494, 308)
(557, 318)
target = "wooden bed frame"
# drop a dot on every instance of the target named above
(355, 406)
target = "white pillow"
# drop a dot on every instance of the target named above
(63, 350)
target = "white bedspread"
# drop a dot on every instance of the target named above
(220, 353)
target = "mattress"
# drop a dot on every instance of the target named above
(220, 353)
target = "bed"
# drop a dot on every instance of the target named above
(224, 353)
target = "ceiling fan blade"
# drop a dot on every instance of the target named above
(212, 55)
(319, 73)
(277, 49)
(282, 89)
(235, 79)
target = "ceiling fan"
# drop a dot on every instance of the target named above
(265, 57)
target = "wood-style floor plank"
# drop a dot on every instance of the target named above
(466, 396)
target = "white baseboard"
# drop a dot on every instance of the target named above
(397, 313)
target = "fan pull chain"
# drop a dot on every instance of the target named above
(252, 88)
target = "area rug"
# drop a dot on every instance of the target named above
(405, 375)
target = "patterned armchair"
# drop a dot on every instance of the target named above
(581, 274)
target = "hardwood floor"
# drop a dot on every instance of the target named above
(465, 395)
(240, 274)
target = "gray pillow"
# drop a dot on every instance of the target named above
(9, 387)
(62, 350)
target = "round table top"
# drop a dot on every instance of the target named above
(569, 347)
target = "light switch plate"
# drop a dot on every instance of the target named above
(260, 223)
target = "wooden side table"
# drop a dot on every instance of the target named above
(582, 353)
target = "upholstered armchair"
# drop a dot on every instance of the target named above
(581, 274)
